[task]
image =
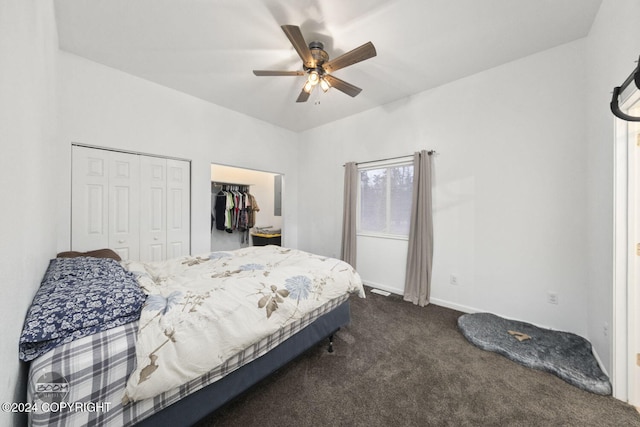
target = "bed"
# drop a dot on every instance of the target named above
(183, 336)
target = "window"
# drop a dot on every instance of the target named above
(385, 200)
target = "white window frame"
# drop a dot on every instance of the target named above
(380, 165)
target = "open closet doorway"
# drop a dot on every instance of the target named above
(253, 214)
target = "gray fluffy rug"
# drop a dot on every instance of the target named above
(566, 355)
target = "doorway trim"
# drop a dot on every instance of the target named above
(625, 383)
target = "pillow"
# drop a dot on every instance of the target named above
(100, 253)
(79, 297)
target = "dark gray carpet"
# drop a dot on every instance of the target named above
(566, 355)
(402, 365)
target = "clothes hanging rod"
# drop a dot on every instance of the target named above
(219, 184)
(430, 152)
(217, 187)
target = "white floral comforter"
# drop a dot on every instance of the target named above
(202, 310)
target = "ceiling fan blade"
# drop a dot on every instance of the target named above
(296, 39)
(304, 95)
(277, 73)
(354, 56)
(342, 86)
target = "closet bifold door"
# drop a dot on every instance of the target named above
(178, 208)
(105, 201)
(135, 204)
(124, 204)
(89, 199)
(153, 208)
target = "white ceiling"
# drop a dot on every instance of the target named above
(208, 48)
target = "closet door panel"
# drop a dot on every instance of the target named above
(156, 206)
(153, 208)
(89, 199)
(178, 208)
(156, 252)
(95, 218)
(124, 205)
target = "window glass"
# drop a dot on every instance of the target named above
(385, 200)
(401, 182)
(373, 200)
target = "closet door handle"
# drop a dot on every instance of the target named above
(121, 241)
(156, 238)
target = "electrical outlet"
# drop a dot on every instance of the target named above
(605, 329)
(453, 279)
(552, 297)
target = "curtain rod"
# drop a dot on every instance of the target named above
(615, 107)
(430, 152)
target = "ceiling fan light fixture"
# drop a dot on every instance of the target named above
(307, 87)
(324, 85)
(313, 78)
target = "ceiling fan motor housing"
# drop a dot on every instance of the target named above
(318, 53)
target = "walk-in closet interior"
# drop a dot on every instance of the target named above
(246, 207)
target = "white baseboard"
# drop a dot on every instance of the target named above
(595, 354)
(435, 301)
(453, 306)
(387, 288)
(467, 309)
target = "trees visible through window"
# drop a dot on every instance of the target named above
(385, 200)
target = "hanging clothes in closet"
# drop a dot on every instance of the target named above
(235, 209)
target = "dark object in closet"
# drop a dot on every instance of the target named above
(615, 108)
(266, 239)
(220, 207)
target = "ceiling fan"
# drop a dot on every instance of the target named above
(317, 66)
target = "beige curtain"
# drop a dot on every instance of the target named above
(348, 252)
(420, 254)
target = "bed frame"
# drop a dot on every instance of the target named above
(196, 406)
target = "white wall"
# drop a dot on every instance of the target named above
(28, 45)
(509, 193)
(613, 47)
(388, 275)
(104, 107)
